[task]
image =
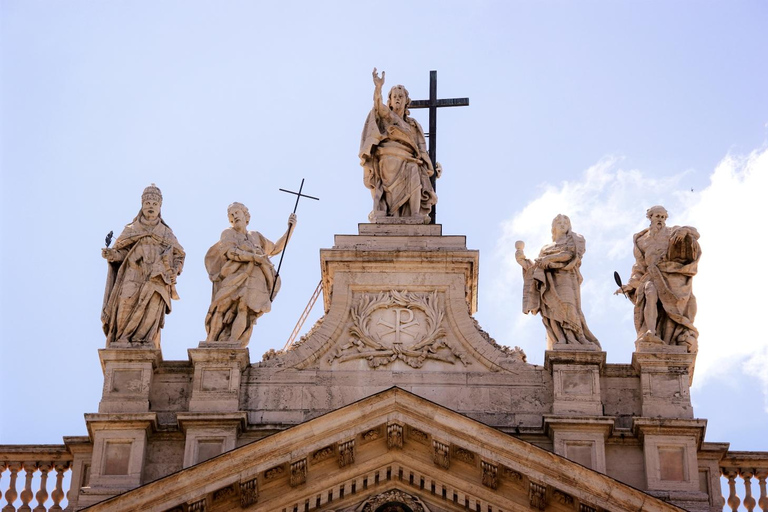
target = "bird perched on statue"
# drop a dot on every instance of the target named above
(108, 239)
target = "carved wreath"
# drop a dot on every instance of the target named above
(367, 344)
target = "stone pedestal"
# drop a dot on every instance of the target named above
(128, 376)
(216, 381)
(580, 438)
(665, 380)
(576, 381)
(119, 446)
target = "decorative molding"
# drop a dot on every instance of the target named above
(512, 474)
(586, 508)
(394, 435)
(490, 474)
(346, 453)
(424, 341)
(537, 494)
(441, 454)
(249, 492)
(395, 495)
(561, 497)
(274, 472)
(298, 472)
(464, 455)
(323, 453)
(224, 493)
(371, 435)
(418, 435)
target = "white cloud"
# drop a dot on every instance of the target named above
(731, 283)
(607, 205)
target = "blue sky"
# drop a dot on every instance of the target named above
(595, 109)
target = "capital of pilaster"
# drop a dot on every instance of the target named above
(130, 355)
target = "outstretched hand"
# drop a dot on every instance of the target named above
(378, 81)
(292, 220)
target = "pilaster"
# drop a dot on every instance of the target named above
(576, 381)
(670, 449)
(209, 434)
(580, 438)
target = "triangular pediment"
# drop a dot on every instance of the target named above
(391, 444)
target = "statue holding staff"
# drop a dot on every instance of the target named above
(244, 280)
(143, 266)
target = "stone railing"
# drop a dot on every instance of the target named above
(751, 467)
(28, 467)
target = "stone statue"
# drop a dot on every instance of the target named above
(143, 265)
(666, 259)
(394, 157)
(244, 280)
(552, 287)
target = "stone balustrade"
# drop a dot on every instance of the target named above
(751, 467)
(24, 473)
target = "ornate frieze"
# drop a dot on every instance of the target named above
(398, 325)
(394, 435)
(298, 472)
(346, 453)
(441, 454)
(249, 492)
(322, 453)
(463, 455)
(490, 474)
(224, 493)
(371, 435)
(513, 475)
(561, 497)
(418, 435)
(274, 472)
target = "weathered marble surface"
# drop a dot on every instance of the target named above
(666, 259)
(244, 280)
(393, 153)
(143, 266)
(552, 287)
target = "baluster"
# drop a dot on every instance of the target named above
(749, 502)
(27, 494)
(42, 493)
(733, 499)
(761, 475)
(58, 493)
(11, 494)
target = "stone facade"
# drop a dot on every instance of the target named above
(396, 397)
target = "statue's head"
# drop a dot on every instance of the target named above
(236, 210)
(399, 100)
(151, 201)
(657, 215)
(560, 225)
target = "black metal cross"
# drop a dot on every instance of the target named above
(299, 195)
(433, 104)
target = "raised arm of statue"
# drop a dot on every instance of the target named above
(378, 102)
(283, 240)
